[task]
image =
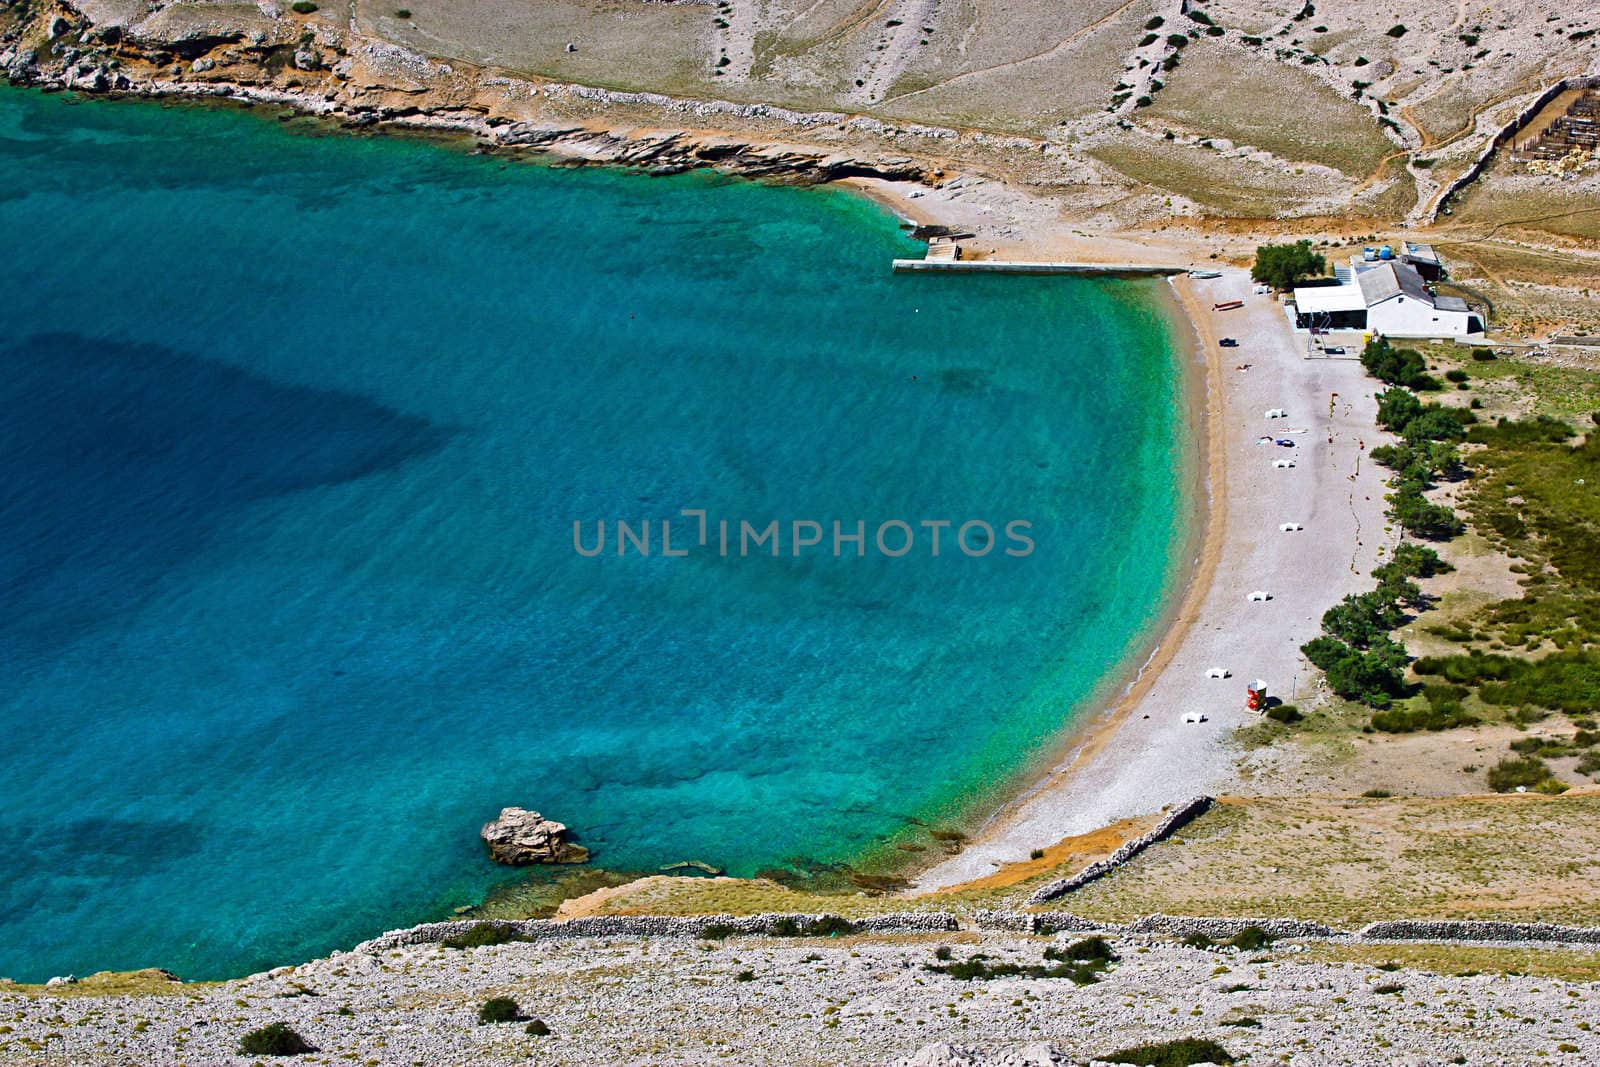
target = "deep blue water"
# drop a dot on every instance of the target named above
(294, 432)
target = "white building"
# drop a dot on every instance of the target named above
(1388, 298)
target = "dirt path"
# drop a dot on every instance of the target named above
(896, 46)
(1066, 42)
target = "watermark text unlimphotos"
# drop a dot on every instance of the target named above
(695, 532)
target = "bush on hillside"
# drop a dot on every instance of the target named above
(1508, 774)
(1180, 1053)
(498, 1010)
(483, 934)
(274, 1039)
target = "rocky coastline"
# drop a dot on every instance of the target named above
(363, 83)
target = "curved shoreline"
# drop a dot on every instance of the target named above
(1086, 746)
(1087, 738)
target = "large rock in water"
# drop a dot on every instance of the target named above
(520, 837)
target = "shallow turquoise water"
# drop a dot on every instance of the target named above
(295, 431)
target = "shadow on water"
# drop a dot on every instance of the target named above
(113, 473)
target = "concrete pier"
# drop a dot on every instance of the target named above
(1012, 266)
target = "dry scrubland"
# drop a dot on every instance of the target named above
(1345, 861)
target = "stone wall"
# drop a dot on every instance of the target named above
(1474, 930)
(1175, 819)
(1039, 922)
(1220, 929)
(658, 926)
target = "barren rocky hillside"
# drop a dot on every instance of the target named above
(1131, 112)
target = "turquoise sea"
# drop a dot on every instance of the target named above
(296, 427)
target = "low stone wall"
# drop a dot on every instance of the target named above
(1220, 929)
(1039, 922)
(1217, 928)
(911, 922)
(1176, 819)
(1475, 930)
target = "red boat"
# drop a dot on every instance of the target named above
(1227, 305)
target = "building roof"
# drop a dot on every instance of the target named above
(1450, 303)
(1329, 298)
(1421, 253)
(1390, 280)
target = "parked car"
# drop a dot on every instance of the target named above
(1228, 342)
(1284, 442)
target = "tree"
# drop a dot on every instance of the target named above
(1434, 423)
(1419, 518)
(1396, 408)
(1373, 677)
(1360, 619)
(1411, 560)
(1397, 366)
(1280, 266)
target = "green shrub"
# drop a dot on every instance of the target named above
(829, 926)
(1508, 774)
(1036, 854)
(1483, 355)
(498, 1010)
(483, 934)
(1154, 23)
(1387, 988)
(1089, 949)
(1396, 31)
(1444, 715)
(1455, 375)
(1058, 964)
(717, 931)
(302, 7)
(1420, 518)
(1250, 939)
(1284, 713)
(1197, 941)
(1373, 677)
(1377, 794)
(274, 1039)
(745, 976)
(405, 13)
(1181, 1053)
(1411, 560)
(1246, 1021)
(537, 1028)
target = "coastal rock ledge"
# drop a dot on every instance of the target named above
(520, 837)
